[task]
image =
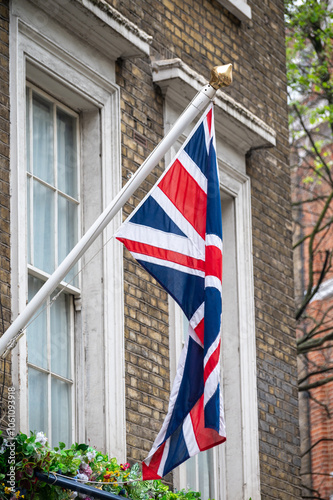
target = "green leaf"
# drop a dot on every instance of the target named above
(82, 447)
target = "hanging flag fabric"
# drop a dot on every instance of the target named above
(176, 235)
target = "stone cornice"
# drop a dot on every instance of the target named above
(101, 25)
(239, 126)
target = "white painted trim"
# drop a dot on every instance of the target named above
(238, 8)
(100, 23)
(234, 123)
(18, 223)
(247, 352)
(89, 90)
(113, 287)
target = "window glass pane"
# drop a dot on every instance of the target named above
(191, 473)
(60, 336)
(43, 138)
(52, 223)
(67, 231)
(206, 474)
(61, 412)
(28, 131)
(200, 474)
(67, 161)
(44, 237)
(37, 331)
(38, 397)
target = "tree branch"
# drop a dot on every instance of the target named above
(314, 343)
(302, 240)
(320, 404)
(303, 202)
(317, 329)
(318, 372)
(319, 383)
(308, 133)
(310, 290)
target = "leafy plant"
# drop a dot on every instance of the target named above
(81, 462)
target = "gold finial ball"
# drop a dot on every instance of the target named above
(221, 76)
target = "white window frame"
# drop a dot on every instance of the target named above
(38, 273)
(48, 371)
(32, 269)
(237, 131)
(43, 52)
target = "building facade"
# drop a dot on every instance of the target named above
(92, 86)
(314, 328)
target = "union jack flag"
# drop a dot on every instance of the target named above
(176, 235)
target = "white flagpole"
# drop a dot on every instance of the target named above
(221, 76)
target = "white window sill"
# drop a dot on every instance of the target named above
(238, 8)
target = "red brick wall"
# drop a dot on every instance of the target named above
(318, 424)
(321, 425)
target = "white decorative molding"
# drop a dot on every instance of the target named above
(235, 123)
(100, 23)
(247, 351)
(239, 8)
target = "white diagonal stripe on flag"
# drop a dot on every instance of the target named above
(167, 263)
(212, 348)
(211, 384)
(189, 436)
(207, 135)
(179, 220)
(197, 316)
(194, 336)
(193, 169)
(164, 457)
(157, 238)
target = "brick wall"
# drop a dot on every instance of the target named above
(321, 422)
(317, 409)
(146, 319)
(204, 34)
(5, 303)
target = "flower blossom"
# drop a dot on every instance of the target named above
(125, 466)
(91, 455)
(85, 469)
(41, 438)
(82, 477)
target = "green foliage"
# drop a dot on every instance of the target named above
(309, 49)
(79, 461)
